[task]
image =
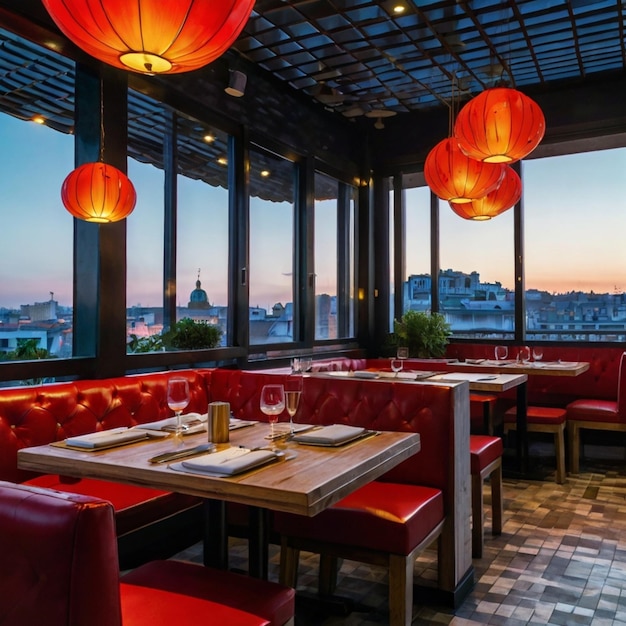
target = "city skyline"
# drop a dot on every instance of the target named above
(580, 253)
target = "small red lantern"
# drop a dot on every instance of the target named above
(500, 125)
(98, 192)
(502, 198)
(455, 177)
(152, 36)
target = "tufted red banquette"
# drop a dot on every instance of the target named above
(36, 415)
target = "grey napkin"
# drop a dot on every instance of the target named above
(106, 438)
(331, 435)
(230, 461)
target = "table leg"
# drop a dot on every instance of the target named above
(258, 542)
(522, 432)
(215, 539)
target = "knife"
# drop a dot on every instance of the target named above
(181, 454)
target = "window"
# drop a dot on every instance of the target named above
(575, 258)
(272, 246)
(417, 288)
(202, 226)
(477, 274)
(334, 258)
(36, 260)
(145, 225)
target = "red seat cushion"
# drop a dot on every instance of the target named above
(483, 451)
(155, 607)
(390, 517)
(593, 411)
(271, 601)
(537, 415)
(134, 506)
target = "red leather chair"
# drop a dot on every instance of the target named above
(593, 414)
(385, 524)
(543, 419)
(61, 569)
(485, 461)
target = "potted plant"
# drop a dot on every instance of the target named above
(425, 334)
(188, 334)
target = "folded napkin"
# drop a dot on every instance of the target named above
(236, 423)
(170, 422)
(334, 435)
(399, 375)
(106, 438)
(365, 374)
(229, 462)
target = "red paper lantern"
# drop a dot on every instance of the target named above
(152, 36)
(98, 192)
(500, 125)
(453, 176)
(502, 198)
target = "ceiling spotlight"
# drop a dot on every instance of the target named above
(237, 84)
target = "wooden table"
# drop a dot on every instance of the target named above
(306, 484)
(543, 368)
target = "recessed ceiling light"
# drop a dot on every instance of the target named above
(222, 161)
(265, 173)
(209, 138)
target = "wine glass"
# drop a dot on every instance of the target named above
(501, 352)
(177, 400)
(293, 391)
(272, 404)
(396, 366)
(524, 355)
(537, 353)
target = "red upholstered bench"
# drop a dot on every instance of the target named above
(485, 461)
(543, 419)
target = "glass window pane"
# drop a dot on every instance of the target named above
(271, 248)
(477, 275)
(326, 268)
(36, 279)
(417, 281)
(202, 250)
(575, 266)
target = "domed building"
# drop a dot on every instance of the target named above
(198, 299)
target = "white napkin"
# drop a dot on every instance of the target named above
(229, 462)
(106, 438)
(170, 422)
(365, 374)
(399, 375)
(330, 435)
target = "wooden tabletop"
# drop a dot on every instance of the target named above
(310, 480)
(541, 368)
(481, 381)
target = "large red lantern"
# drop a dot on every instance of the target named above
(502, 198)
(500, 125)
(152, 36)
(98, 192)
(453, 176)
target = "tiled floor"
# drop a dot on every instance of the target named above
(560, 560)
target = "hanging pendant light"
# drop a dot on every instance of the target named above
(152, 36)
(502, 198)
(455, 177)
(500, 125)
(98, 192)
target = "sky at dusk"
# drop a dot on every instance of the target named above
(575, 218)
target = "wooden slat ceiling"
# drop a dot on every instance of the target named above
(356, 58)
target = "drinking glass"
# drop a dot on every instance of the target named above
(177, 400)
(305, 364)
(272, 404)
(524, 354)
(293, 391)
(537, 353)
(501, 352)
(396, 365)
(402, 353)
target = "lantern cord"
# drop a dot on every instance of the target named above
(101, 147)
